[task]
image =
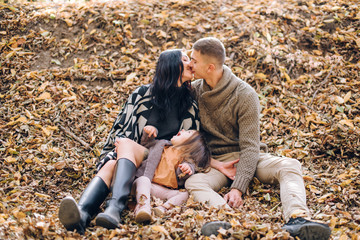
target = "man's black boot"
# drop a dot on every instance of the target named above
(307, 230)
(78, 215)
(121, 186)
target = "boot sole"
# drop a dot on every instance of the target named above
(103, 220)
(142, 217)
(158, 212)
(314, 232)
(69, 214)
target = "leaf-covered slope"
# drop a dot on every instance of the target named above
(66, 69)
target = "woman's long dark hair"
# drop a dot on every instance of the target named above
(164, 90)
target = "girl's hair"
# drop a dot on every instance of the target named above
(195, 150)
(164, 89)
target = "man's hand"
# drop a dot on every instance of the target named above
(233, 198)
(185, 168)
(226, 168)
(151, 131)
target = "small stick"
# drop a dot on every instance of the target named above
(85, 144)
(325, 80)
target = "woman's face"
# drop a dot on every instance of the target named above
(187, 74)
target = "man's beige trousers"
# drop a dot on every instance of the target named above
(270, 170)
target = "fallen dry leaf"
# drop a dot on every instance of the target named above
(67, 68)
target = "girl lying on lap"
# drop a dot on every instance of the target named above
(166, 166)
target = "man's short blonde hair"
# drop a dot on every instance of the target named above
(211, 47)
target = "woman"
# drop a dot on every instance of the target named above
(166, 104)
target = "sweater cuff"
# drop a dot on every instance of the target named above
(241, 183)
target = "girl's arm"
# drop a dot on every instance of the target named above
(148, 137)
(149, 165)
(186, 168)
(183, 172)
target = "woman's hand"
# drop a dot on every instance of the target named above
(151, 131)
(226, 168)
(185, 168)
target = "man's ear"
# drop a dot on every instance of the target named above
(211, 67)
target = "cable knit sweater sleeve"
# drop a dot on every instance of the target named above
(249, 139)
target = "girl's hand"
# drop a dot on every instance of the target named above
(185, 168)
(151, 131)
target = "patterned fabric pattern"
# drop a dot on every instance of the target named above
(133, 117)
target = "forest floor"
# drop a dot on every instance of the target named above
(67, 68)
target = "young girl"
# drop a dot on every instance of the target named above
(166, 166)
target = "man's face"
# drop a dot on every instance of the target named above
(198, 65)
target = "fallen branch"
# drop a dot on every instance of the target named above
(85, 144)
(322, 83)
(309, 107)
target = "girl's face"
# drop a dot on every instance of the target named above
(187, 74)
(181, 137)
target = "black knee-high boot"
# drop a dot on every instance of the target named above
(78, 215)
(121, 186)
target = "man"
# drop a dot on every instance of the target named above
(229, 114)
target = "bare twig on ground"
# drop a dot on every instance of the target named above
(85, 144)
(322, 83)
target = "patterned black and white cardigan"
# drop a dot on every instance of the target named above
(133, 117)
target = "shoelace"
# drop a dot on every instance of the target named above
(298, 220)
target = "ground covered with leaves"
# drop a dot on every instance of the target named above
(66, 69)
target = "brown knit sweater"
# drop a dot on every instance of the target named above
(229, 117)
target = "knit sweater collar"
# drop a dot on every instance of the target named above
(226, 85)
